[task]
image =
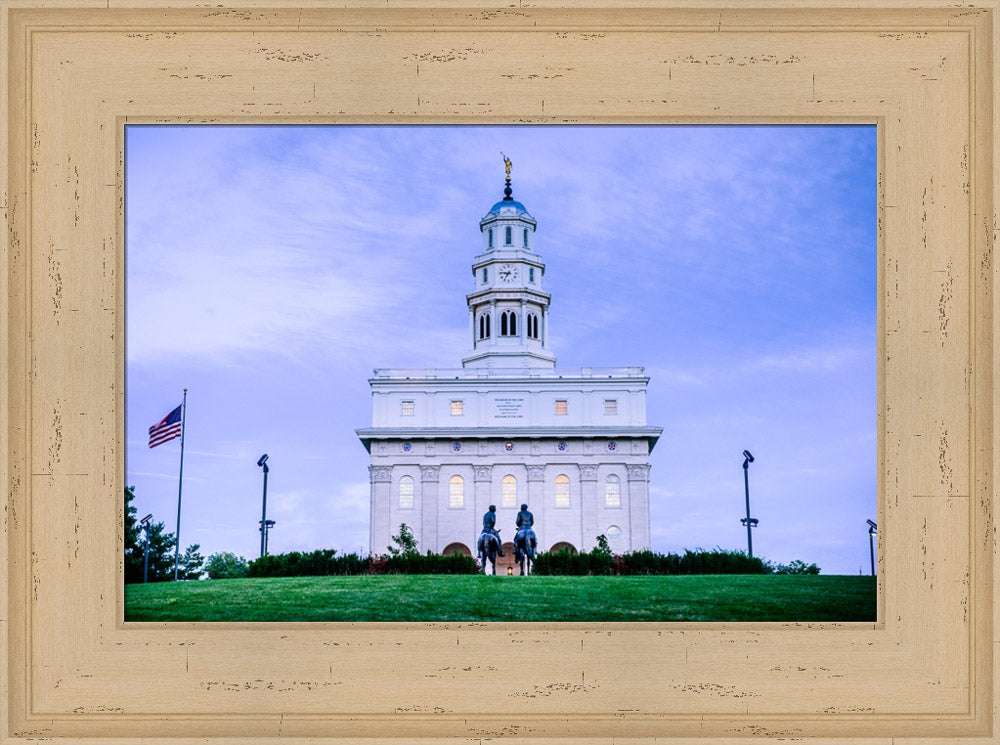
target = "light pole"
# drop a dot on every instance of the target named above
(262, 462)
(872, 530)
(266, 526)
(145, 561)
(750, 522)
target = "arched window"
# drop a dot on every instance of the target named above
(508, 236)
(532, 321)
(487, 325)
(513, 323)
(525, 237)
(508, 493)
(503, 324)
(484, 326)
(456, 492)
(562, 490)
(613, 491)
(406, 492)
(490, 238)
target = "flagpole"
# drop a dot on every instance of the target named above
(180, 481)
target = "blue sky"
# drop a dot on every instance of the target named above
(271, 268)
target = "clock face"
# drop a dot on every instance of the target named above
(507, 273)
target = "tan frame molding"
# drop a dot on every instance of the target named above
(74, 73)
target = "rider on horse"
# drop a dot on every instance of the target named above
(525, 535)
(489, 526)
(524, 518)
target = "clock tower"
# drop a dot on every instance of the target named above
(509, 427)
(508, 310)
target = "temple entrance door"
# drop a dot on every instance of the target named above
(503, 562)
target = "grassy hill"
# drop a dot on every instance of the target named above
(487, 598)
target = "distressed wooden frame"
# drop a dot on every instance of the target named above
(76, 72)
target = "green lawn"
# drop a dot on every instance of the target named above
(482, 598)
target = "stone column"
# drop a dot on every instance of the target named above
(588, 507)
(472, 324)
(430, 503)
(381, 478)
(494, 329)
(522, 335)
(638, 507)
(536, 502)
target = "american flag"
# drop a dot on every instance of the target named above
(169, 428)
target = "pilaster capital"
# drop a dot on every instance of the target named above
(483, 473)
(588, 473)
(380, 474)
(429, 473)
(536, 473)
(638, 472)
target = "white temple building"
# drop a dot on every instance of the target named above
(510, 427)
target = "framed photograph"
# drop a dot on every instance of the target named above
(75, 77)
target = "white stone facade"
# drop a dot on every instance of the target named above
(510, 428)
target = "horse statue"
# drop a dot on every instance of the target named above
(525, 544)
(488, 548)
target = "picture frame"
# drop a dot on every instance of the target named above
(76, 73)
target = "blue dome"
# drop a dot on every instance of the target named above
(508, 203)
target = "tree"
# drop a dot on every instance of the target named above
(226, 565)
(602, 546)
(133, 540)
(161, 547)
(406, 544)
(189, 564)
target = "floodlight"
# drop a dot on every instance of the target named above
(263, 460)
(872, 529)
(147, 518)
(746, 454)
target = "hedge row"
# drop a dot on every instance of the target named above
(646, 562)
(325, 562)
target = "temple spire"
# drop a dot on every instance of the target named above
(507, 191)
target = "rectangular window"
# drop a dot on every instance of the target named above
(561, 407)
(456, 408)
(610, 406)
(484, 274)
(525, 237)
(491, 237)
(507, 236)
(406, 408)
(531, 274)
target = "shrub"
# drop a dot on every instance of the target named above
(601, 561)
(319, 563)
(325, 562)
(226, 565)
(414, 563)
(564, 562)
(796, 567)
